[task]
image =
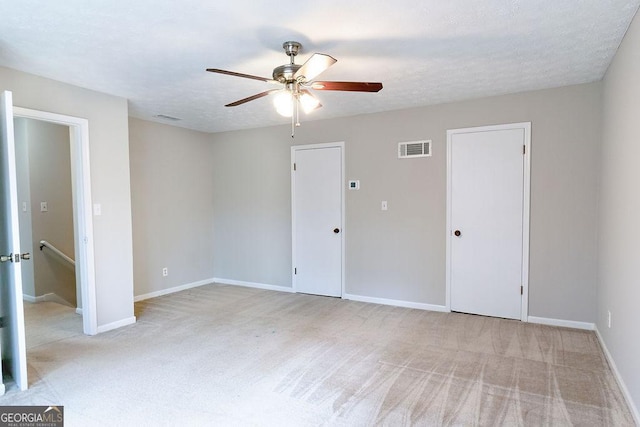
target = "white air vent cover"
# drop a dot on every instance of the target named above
(407, 150)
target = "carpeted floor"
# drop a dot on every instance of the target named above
(225, 355)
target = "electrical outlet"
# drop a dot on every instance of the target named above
(608, 318)
(165, 272)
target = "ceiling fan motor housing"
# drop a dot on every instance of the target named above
(284, 73)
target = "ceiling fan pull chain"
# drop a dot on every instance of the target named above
(293, 128)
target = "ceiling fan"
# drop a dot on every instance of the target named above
(296, 80)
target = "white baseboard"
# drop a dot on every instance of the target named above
(115, 325)
(28, 298)
(396, 303)
(252, 285)
(625, 391)
(173, 290)
(40, 298)
(50, 297)
(564, 323)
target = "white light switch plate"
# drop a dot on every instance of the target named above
(44, 207)
(97, 209)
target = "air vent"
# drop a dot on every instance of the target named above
(407, 150)
(165, 117)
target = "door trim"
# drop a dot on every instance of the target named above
(83, 225)
(526, 126)
(295, 148)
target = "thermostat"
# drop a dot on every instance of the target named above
(354, 185)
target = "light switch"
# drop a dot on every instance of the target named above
(24, 206)
(97, 209)
(44, 207)
(383, 205)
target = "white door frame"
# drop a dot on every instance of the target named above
(83, 220)
(525, 207)
(293, 212)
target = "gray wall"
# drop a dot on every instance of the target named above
(400, 254)
(24, 196)
(252, 206)
(110, 186)
(619, 256)
(172, 206)
(49, 179)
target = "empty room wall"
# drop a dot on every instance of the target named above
(252, 206)
(619, 231)
(110, 186)
(172, 206)
(400, 254)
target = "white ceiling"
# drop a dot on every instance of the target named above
(155, 52)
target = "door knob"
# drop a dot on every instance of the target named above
(457, 233)
(25, 256)
(336, 230)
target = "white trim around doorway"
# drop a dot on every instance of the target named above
(83, 224)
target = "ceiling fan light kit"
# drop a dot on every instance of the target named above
(297, 79)
(285, 100)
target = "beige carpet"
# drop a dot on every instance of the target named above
(224, 355)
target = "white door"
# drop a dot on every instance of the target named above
(14, 352)
(317, 219)
(487, 220)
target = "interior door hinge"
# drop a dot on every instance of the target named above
(294, 166)
(295, 271)
(521, 290)
(524, 149)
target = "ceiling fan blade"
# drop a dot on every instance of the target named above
(246, 76)
(314, 66)
(251, 98)
(348, 86)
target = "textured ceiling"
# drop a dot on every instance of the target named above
(155, 52)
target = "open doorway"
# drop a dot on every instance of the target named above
(65, 264)
(45, 199)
